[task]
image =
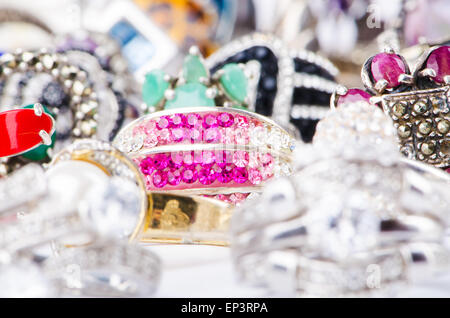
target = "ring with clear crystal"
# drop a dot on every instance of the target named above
(92, 190)
(352, 197)
(104, 269)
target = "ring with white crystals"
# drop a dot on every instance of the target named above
(92, 190)
(104, 269)
(344, 215)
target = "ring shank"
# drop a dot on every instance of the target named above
(184, 219)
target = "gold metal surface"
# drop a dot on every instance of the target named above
(184, 219)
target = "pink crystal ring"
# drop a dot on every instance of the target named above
(417, 101)
(221, 152)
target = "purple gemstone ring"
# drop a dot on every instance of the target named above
(416, 101)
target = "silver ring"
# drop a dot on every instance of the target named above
(346, 222)
(105, 268)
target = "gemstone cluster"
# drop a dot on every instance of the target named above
(194, 86)
(417, 101)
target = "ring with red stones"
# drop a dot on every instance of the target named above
(215, 151)
(416, 101)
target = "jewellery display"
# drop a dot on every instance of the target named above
(343, 213)
(417, 101)
(134, 131)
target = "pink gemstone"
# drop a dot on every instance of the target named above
(211, 135)
(174, 177)
(146, 166)
(241, 121)
(387, 66)
(223, 197)
(160, 161)
(150, 140)
(192, 120)
(240, 175)
(188, 158)
(224, 157)
(227, 136)
(208, 158)
(439, 61)
(209, 120)
(241, 136)
(253, 159)
(163, 122)
(225, 119)
(177, 120)
(195, 135)
(164, 136)
(178, 134)
(176, 159)
(148, 182)
(159, 179)
(206, 176)
(198, 156)
(236, 198)
(353, 95)
(254, 176)
(150, 126)
(189, 175)
(225, 173)
(240, 158)
(267, 172)
(138, 130)
(266, 159)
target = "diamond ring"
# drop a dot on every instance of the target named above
(344, 215)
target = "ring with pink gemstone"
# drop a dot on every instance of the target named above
(416, 101)
(216, 151)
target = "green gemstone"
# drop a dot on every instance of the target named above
(39, 153)
(154, 87)
(190, 95)
(193, 69)
(234, 82)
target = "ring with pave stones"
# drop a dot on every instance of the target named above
(417, 101)
(351, 209)
(79, 197)
(216, 151)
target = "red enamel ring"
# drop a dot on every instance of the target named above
(22, 130)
